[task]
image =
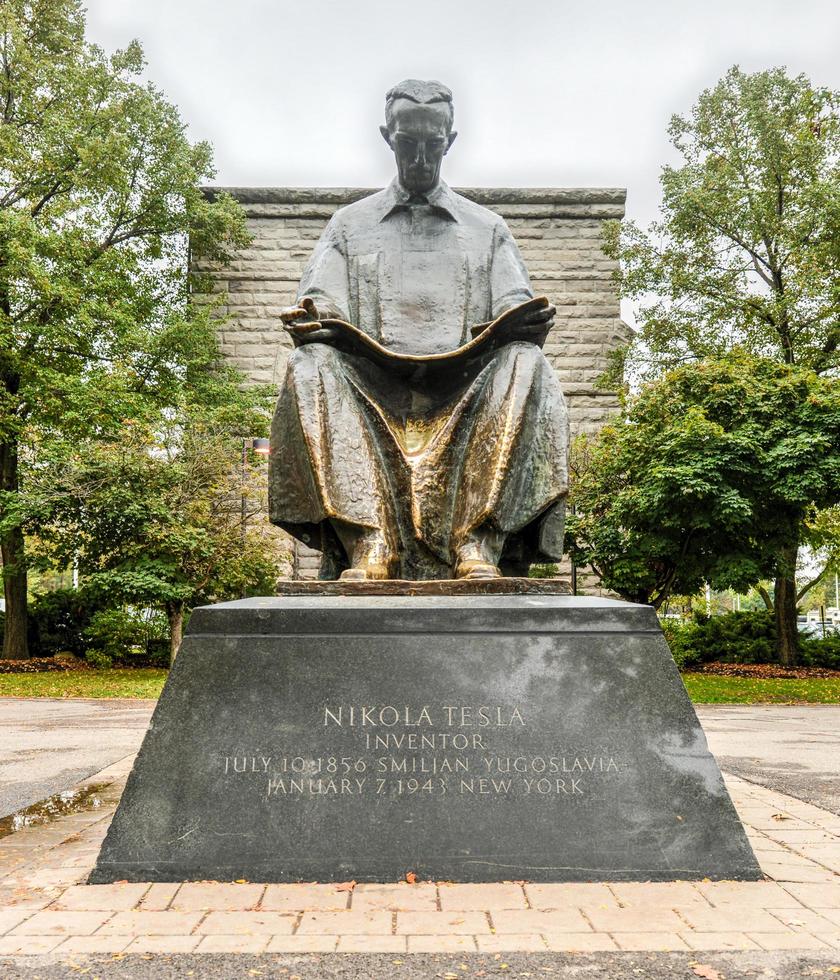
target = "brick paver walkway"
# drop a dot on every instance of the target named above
(44, 908)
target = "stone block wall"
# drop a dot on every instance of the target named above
(557, 229)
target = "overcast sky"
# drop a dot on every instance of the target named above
(547, 92)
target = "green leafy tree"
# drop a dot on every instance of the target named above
(717, 473)
(747, 248)
(165, 515)
(99, 197)
(746, 252)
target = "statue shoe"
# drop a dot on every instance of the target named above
(474, 569)
(366, 572)
(371, 559)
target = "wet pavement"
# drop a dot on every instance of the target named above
(48, 745)
(790, 748)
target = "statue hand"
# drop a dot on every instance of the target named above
(533, 326)
(302, 322)
(306, 312)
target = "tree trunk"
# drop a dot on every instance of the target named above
(787, 632)
(14, 566)
(175, 615)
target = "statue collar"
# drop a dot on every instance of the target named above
(441, 198)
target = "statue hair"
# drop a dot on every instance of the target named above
(424, 93)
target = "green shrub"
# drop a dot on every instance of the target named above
(58, 620)
(742, 638)
(821, 651)
(735, 638)
(129, 636)
(679, 636)
(114, 634)
(156, 643)
(74, 621)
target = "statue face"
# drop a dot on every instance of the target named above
(420, 138)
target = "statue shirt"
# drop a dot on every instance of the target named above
(416, 274)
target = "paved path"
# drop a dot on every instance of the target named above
(48, 745)
(794, 749)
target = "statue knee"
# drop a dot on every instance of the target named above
(308, 360)
(525, 356)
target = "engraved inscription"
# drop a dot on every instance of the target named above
(425, 750)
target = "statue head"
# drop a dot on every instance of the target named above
(418, 128)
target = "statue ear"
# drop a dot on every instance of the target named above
(386, 135)
(450, 140)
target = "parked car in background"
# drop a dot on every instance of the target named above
(819, 628)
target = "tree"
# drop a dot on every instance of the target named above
(746, 252)
(717, 472)
(154, 517)
(99, 198)
(747, 248)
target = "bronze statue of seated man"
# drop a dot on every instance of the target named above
(427, 466)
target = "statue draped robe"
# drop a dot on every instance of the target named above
(430, 457)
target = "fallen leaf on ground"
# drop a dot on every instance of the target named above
(706, 972)
(780, 816)
(346, 886)
(771, 671)
(241, 881)
(410, 877)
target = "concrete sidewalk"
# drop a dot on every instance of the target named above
(47, 910)
(791, 748)
(49, 744)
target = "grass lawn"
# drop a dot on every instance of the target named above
(147, 683)
(125, 682)
(716, 689)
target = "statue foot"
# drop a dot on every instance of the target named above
(473, 569)
(365, 573)
(477, 555)
(372, 559)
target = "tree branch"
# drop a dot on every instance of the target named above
(807, 588)
(765, 595)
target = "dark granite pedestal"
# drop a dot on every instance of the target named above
(464, 738)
